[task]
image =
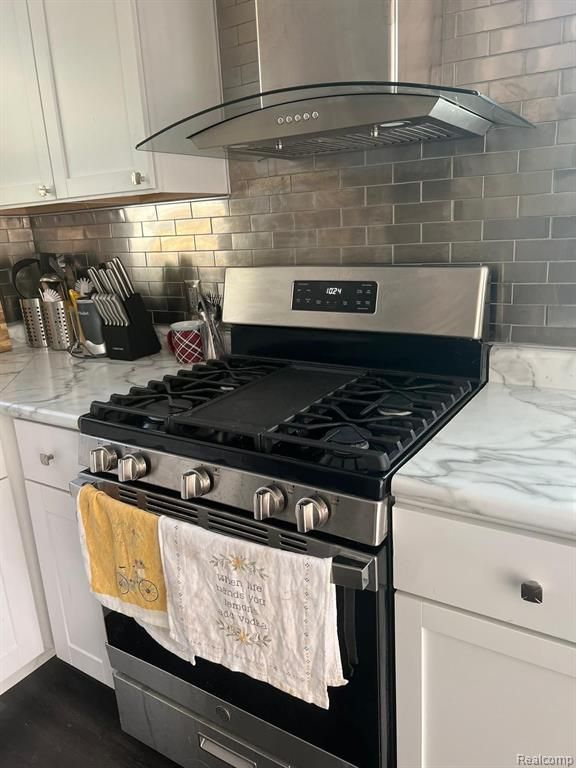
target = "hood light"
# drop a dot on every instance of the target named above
(393, 124)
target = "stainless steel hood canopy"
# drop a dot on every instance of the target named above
(338, 51)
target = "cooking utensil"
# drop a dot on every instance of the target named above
(84, 286)
(26, 275)
(125, 278)
(49, 294)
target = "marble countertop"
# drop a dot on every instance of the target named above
(509, 456)
(56, 388)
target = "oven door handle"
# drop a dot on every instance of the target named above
(347, 571)
(224, 754)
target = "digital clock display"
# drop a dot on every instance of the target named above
(342, 296)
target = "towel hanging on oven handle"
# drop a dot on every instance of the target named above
(348, 570)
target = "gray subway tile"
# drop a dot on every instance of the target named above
(493, 17)
(451, 230)
(467, 47)
(248, 240)
(489, 68)
(310, 182)
(268, 222)
(516, 229)
(278, 166)
(452, 147)
(233, 258)
(235, 15)
(273, 257)
(395, 233)
(339, 160)
(140, 213)
(548, 158)
(569, 28)
(451, 189)
(567, 131)
(293, 201)
(339, 198)
(563, 272)
(300, 239)
(317, 255)
(550, 108)
(274, 185)
(491, 208)
(222, 224)
(546, 250)
(342, 236)
(525, 272)
(537, 10)
(423, 253)
(212, 242)
(515, 89)
(365, 177)
(478, 252)
(216, 207)
(512, 314)
(562, 317)
(393, 193)
(526, 36)
(558, 294)
(197, 258)
(568, 81)
(564, 226)
(500, 139)
(419, 170)
(528, 183)
(565, 180)
(417, 212)
(554, 205)
(374, 214)
(551, 57)
(485, 165)
(393, 154)
(317, 219)
(246, 205)
(367, 254)
(556, 337)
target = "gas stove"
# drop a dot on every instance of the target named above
(306, 423)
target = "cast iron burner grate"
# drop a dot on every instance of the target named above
(366, 425)
(151, 407)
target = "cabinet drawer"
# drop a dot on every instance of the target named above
(482, 569)
(49, 454)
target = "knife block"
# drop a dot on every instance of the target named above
(129, 342)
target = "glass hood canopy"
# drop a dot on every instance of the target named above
(332, 117)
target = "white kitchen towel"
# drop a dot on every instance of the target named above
(254, 609)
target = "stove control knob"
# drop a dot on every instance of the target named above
(311, 513)
(132, 466)
(268, 501)
(103, 459)
(197, 482)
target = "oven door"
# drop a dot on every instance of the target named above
(172, 705)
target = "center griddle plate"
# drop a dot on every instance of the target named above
(262, 405)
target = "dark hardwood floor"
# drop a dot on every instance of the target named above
(59, 718)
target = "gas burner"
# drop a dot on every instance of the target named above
(349, 435)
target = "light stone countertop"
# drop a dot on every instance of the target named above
(56, 388)
(509, 456)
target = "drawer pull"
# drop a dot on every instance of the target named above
(531, 591)
(224, 754)
(46, 458)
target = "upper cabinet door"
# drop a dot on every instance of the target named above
(90, 75)
(25, 172)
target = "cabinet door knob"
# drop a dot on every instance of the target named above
(531, 591)
(46, 458)
(43, 190)
(137, 178)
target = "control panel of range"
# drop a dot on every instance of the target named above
(307, 509)
(335, 296)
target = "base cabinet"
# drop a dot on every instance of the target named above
(475, 693)
(20, 635)
(75, 615)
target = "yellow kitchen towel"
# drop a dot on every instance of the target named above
(122, 556)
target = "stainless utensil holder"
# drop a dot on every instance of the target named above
(59, 324)
(35, 323)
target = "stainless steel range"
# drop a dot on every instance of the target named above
(336, 377)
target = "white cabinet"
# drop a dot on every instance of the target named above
(24, 158)
(75, 615)
(475, 693)
(101, 75)
(20, 635)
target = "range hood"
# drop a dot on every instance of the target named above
(324, 79)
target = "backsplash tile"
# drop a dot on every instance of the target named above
(506, 200)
